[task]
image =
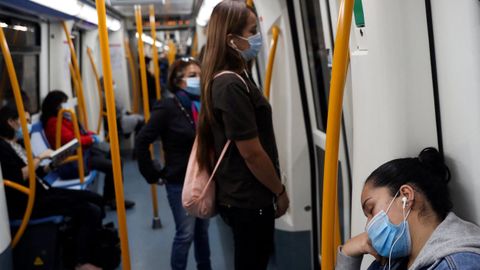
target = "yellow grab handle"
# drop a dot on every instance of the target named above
(113, 131)
(76, 70)
(16, 186)
(340, 63)
(76, 131)
(249, 3)
(26, 138)
(99, 87)
(156, 69)
(146, 106)
(133, 73)
(271, 59)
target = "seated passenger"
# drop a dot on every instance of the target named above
(83, 207)
(98, 156)
(127, 122)
(409, 220)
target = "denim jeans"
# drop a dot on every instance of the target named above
(188, 229)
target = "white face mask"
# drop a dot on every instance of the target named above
(67, 105)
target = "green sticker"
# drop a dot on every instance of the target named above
(358, 11)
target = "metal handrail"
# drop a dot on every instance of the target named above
(100, 91)
(271, 59)
(156, 69)
(330, 200)
(146, 107)
(112, 127)
(134, 73)
(76, 130)
(26, 138)
(76, 71)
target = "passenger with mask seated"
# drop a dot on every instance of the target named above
(85, 208)
(97, 152)
(410, 223)
(127, 121)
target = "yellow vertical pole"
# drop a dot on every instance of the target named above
(156, 70)
(76, 130)
(75, 88)
(172, 52)
(195, 45)
(340, 61)
(26, 138)
(271, 59)
(99, 87)
(133, 73)
(146, 107)
(112, 127)
(249, 3)
(76, 68)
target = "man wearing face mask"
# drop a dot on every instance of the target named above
(410, 223)
(174, 120)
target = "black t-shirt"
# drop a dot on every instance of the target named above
(241, 114)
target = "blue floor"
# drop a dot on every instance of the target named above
(150, 249)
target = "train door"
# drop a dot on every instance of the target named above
(313, 21)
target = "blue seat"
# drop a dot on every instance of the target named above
(51, 219)
(40, 143)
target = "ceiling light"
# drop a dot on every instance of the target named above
(70, 7)
(149, 40)
(3, 25)
(20, 28)
(206, 11)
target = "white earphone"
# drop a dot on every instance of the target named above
(404, 200)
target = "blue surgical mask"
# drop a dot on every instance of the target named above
(255, 43)
(390, 240)
(193, 86)
(19, 132)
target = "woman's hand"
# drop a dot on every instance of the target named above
(282, 204)
(359, 245)
(45, 154)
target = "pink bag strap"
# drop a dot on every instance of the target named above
(225, 148)
(234, 73)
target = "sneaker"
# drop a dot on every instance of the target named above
(112, 204)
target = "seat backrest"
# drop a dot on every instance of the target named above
(39, 141)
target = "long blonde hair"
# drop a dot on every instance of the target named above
(228, 17)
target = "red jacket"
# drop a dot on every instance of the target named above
(67, 133)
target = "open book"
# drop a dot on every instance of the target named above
(65, 151)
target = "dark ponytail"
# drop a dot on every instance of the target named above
(427, 173)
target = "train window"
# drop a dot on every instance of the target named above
(317, 59)
(23, 39)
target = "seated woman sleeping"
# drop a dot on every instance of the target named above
(409, 220)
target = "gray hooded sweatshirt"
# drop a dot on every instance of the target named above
(453, 235)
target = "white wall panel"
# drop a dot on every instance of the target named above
(457, 42)
(287, 117)
(393, 108)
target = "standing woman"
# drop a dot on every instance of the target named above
(250, 194)
(174, 120)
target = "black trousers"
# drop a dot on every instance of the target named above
(253, 232)
(85, 209)
(100, 160)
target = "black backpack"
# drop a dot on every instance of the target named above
(107, 252)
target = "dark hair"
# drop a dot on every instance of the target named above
(427, 173)
(8, 112)
(228, 17)
(177, 71)
(51, 105)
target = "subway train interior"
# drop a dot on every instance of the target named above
(388, 78)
